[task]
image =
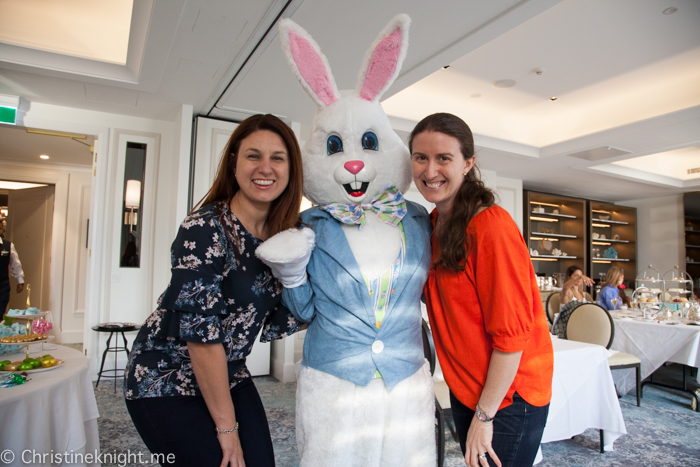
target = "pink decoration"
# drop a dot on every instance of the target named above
(41, 326)
(382, 65)
(311, 68)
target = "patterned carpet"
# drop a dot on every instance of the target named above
(664, 431)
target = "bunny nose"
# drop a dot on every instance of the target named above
(354, 166)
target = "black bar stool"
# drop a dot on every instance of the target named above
(112, 328)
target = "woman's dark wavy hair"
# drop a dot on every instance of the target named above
(570, 271)
(471, 196)
(284, 211)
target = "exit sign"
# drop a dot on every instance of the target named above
(8, 115)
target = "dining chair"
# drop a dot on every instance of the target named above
(591, 323)
(442, 393)
(587, 296)
(552, 306)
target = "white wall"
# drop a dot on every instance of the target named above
(660, 232)
(163, 204)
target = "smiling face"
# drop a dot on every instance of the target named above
(353, 154)
(262, 168)
(439, 168)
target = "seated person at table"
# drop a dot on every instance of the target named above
(573, 286)
(571, 296)
(609, 296)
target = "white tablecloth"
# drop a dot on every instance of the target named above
(654, 343)
(54, 412)
(583, 394)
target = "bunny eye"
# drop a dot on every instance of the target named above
(334, 144)
(369, 141)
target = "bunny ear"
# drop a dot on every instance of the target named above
(308, 63)
(383, 59)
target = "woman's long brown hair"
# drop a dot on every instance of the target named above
(284, 211)
(471, 196)
(613, 276)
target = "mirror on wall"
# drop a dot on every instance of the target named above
(132, 205)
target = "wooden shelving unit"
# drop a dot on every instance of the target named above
(692, 247)
(691, 202)
(554, 222)
(612, 230)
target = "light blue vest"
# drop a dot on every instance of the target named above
(343, 338)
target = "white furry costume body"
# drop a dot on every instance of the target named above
(339, 423)
(344, 416)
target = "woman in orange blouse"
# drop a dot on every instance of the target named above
(485, 311)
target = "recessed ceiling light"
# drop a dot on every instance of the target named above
(43, 156)
(17, 185)
(538, 71)
(553, 98)
(475, 95)
(670, 11)
(504, 83)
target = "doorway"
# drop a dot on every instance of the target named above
(58, 270)
(28, 226)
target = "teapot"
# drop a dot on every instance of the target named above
(665, 313)
(694, 312)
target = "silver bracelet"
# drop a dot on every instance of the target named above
(224, 432)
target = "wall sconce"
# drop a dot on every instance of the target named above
(132, 202)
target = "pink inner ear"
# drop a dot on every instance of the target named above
(311, 68)
(382, 65)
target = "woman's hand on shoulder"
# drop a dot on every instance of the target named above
(231, 449)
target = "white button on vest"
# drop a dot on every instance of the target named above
(378, 346)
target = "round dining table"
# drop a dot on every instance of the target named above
(52, 418)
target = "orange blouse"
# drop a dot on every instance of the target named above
(493, 304)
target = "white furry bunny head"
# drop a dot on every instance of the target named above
(352, 153)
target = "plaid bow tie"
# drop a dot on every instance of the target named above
(389, 206)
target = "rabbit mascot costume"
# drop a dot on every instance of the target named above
(364, 389)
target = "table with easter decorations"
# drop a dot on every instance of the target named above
(49, 410)
(47, 404)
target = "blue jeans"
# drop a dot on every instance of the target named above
(517, 430)
(182, 426)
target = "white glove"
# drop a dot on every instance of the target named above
(287, 254)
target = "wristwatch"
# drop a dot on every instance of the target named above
(481, 415)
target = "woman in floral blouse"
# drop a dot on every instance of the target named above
(187, 387)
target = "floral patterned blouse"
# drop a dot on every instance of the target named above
(215, 296)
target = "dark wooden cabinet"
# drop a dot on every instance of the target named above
(612, 230)
(691, 202)
(554, 229)
(562, 231)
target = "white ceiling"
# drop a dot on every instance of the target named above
(50, 26)
(625, 75)
(18, 147)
